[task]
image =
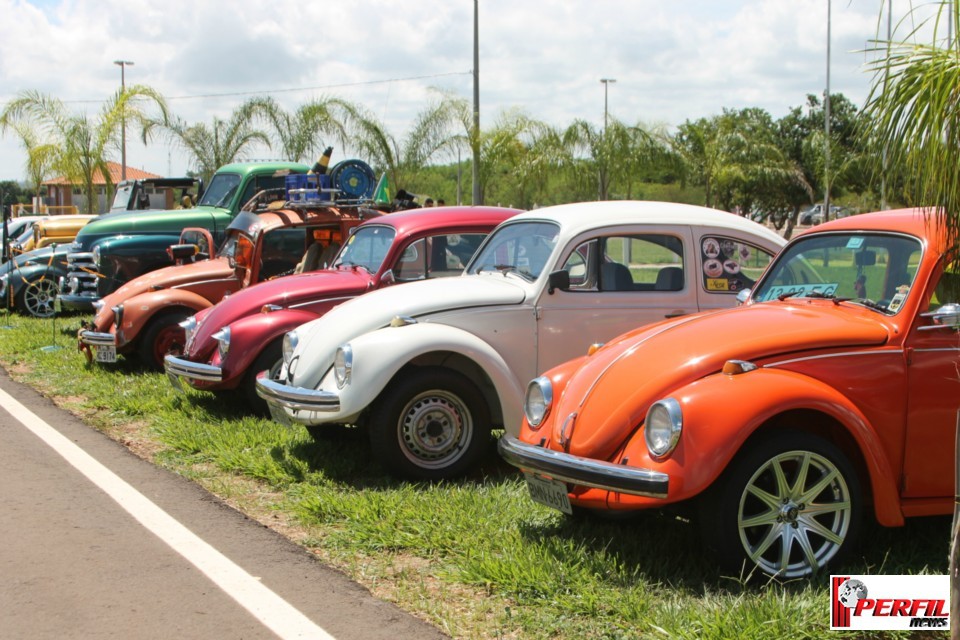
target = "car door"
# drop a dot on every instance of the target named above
(620, 279)
(933, 402)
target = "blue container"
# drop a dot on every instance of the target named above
(306, 187)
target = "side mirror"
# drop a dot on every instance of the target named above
(388, 278)
(180, 252)
(558, 280)
(743, 295)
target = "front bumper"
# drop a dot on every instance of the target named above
(581, 471)
(77, 302)
(292, 400)
(97, 338)
(192, 371)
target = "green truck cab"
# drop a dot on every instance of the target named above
(118, 247)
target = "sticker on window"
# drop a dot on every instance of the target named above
(854, 243)
(801, 290)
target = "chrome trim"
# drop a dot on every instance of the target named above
(583, 472)
(296, 398)
(98, 338)
(192, 370)
(835, 355)
(307, 303)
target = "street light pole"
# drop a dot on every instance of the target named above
(477, 196)
(123, 64)
(606, 85)
(826, 127)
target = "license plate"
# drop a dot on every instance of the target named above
(551, 493)
(175, 381)
(106, 354)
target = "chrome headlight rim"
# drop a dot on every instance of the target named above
(96, 256)
(537, 401)
(343, 365)
(223, 342)
(662, 428)
(290, 341)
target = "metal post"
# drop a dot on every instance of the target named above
(606, 84)
(826, 127)
(123, 127)
(477, 197)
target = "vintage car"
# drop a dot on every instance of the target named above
(28, 282)
(432, 367)
(143, 316)
(237, 338)
(777, 424)
(55, 230)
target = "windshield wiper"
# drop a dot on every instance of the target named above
(820, 294)
(867, 302)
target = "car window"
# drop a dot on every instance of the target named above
(367, 247)
(522, 248)
(874, 269)
(730, 265)
(437, 256)
(641, 262)
(221, 190)
(947, 289)
(282, 250)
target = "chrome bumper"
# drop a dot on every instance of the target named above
(581, 471)
(192, 370)
(293, 399)
(98, 339)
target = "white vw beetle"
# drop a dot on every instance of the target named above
(431, 367)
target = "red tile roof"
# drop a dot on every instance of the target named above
(132, 174)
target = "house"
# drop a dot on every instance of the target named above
(61, 193)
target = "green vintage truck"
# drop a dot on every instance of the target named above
(118, 247)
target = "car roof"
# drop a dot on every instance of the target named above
(921, 222)
(583, 216)
(440, 217)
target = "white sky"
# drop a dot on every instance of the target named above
(673, 60)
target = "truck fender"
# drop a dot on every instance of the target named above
(704, 453)
(379, 355)
(139, 310)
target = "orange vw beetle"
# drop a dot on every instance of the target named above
(831, 394)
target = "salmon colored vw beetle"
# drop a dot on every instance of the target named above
(834, 390)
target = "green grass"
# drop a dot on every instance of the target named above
(475, 557)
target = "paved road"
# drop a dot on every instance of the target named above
(96, 543)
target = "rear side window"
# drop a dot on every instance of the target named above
(730, 265)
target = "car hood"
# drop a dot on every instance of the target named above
(288, 291)
(169, 277)
(612, 390)
(320, 338)
(135, 222)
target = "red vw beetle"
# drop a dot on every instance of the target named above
(831, 395)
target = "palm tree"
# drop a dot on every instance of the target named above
(40, 156)
(303, 133)
(913, 116)
(80, 146)
(211, 147)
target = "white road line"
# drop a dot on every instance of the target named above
(266, 606)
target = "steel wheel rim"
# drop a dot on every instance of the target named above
(794, 514)
(435, 428)
(39, 297)
(167, 339)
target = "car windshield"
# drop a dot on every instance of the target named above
(872, 269)
(221, 190)
(522, 248)
(367, 247)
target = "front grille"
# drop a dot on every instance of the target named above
(82, 275)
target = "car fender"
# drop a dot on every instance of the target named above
(251, 334)
(717, 426)
(378, 356)
(139, 310)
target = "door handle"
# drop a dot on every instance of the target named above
(675, 314)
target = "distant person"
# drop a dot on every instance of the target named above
(428, 202)
(441, 202)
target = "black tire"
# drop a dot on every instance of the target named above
(430, 424)
(37, 298)
(748, 518)
(270, 359)
(163, 335)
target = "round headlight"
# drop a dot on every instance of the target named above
(223, 341)
(290, 341)
(343, 365)
(537, 401)
(96, 256)
(662, 427)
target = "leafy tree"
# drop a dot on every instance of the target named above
(73, 144)
(211, 147)
(303, 133)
